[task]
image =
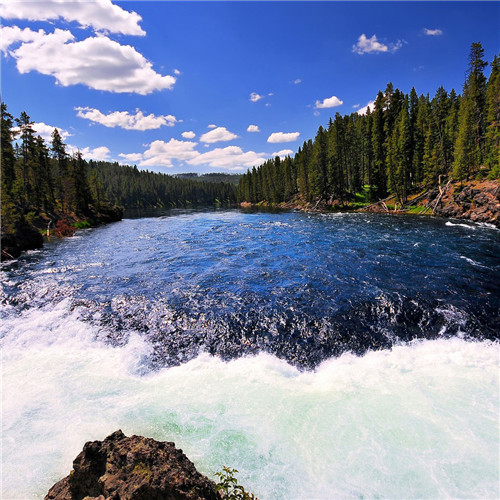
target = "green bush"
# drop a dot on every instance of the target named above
(82, 224)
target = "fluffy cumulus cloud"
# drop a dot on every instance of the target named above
(253, 128)
(188, 134)
(99, 154)
(372, 45)
(283, 153)
(100, 15)
(131, 157)
(277, 137)
(97, 62)
(218, 134)
(229, 158)
(123, 119)
(254, 97)
(433, 32)
(45, 131)
(329, 102)
(161, 153)
(364, 109)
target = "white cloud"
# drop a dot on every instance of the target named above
(219, 134)
(329, 102)
(177, 72)
(212, 126)
(364, 109)
(355, 106)
(283, 153)
(433, 32)
(297, 81)
(161, 153)
(45, 131)
(97, 62)
(101, 15)
(188, 135)
(368, 45)
(124, 119)
(99, 154)
(254, 97)
(13, 34)
(253, 128)
(131, 157)
(230, 158)
(283, 137)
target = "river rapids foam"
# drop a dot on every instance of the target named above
(417, 421)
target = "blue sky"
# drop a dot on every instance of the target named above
(222, 86)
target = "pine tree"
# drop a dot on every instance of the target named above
(493, 120)
(318, 165)
(379, 188)
(27, 152)
(64, 182)
(7, 160)
(469, 147)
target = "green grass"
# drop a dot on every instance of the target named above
(82, 224)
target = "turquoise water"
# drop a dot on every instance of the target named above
(196, 328)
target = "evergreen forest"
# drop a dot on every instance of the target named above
(406, 143)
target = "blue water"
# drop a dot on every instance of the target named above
(303, 287)
(323, 355)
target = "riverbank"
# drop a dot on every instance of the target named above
(478, 201)
(30, 233)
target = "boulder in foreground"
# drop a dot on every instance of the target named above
(138, 468)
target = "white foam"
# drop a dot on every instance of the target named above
(419, 421)
(473, 262)
(468, 226)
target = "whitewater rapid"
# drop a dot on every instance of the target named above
(417, 421)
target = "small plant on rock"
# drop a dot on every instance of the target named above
(229, 488)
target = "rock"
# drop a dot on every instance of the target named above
(24, 237)
(135, 468)
(478, 201)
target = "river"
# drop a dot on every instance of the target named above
(321, 355)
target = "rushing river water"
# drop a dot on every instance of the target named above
(323, 356)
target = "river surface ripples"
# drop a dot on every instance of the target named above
(302, 287)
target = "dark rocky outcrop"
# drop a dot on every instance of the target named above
(24, 237)
(135, 468)
(478, 201)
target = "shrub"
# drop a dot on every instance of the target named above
(229, 488)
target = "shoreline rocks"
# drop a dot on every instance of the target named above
(478, 201)
(29, 235)
(132, 468)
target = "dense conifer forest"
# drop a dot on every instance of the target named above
(405, 143)
(130, 187)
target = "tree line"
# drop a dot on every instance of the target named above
(405, 142)
(133, 188)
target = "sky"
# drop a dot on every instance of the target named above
(222, 86)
